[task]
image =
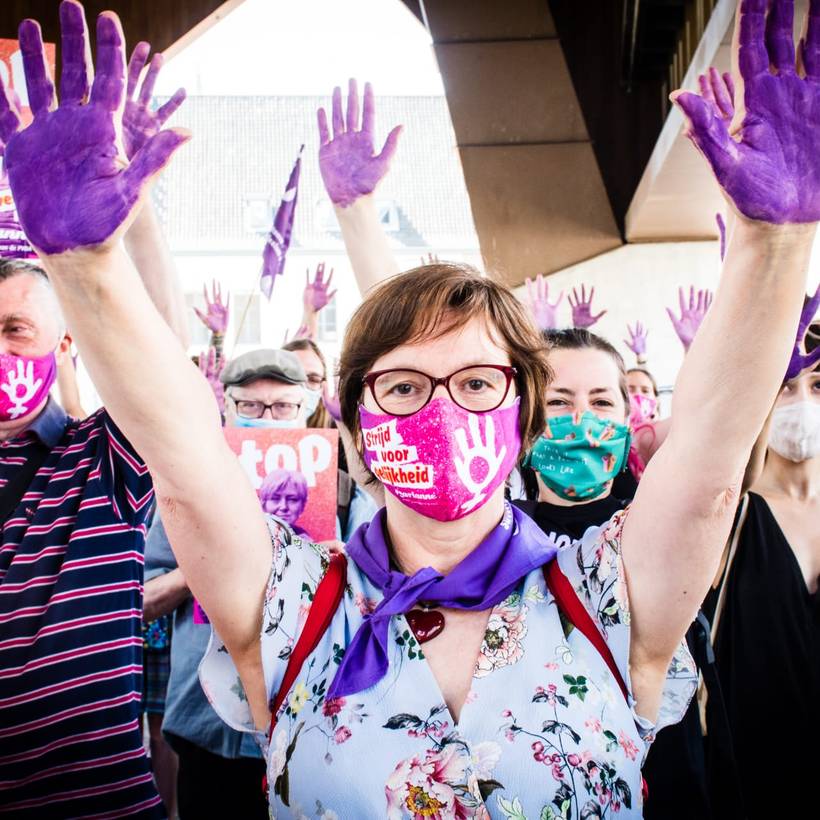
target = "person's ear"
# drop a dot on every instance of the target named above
(63, 351)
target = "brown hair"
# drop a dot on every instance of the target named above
(647, 374)
(413, 306)
(578, 338)
(320, 416)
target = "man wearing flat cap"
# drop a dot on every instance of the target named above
(265, 388)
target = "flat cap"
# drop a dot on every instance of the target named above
(264, 364)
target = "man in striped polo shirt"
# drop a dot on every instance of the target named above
(71, 574)
(70, 585)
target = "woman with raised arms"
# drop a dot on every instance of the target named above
(506, 711)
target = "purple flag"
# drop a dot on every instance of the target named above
(276, 248)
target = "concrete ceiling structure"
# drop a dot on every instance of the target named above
(560, 110)
(168, 26)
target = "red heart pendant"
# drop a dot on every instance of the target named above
(425, 623)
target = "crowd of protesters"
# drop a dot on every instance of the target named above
(544, 598)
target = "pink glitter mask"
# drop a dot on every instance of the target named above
(443, 462)
(24, 383)
(641, 408)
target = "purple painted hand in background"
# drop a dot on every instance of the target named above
(637, 339)
(767, 159)
(331, 403)
(691, 315)
(216, 313)
(801, 362)
(348, 162)
(582, 308)
(543, 311)
(72, 151)
(315, 295)
(211, 366)
(139, 122)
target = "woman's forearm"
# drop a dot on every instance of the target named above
(148, 384)
(736, 364)
(151, 255)
(164, 594)
(369, 251)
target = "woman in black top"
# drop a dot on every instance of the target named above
(765, 615)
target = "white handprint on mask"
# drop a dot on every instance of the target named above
(484, 450)
(24, 377)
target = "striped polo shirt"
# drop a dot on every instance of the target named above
(71, 574)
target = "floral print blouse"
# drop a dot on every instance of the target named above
(545, 732)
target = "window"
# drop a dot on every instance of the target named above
(388, 212)
(327, 322)
(258, 213)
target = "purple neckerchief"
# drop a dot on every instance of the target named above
(484, 578)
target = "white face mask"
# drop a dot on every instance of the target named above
(795, 432)
(312, 398)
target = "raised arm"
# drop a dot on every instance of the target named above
(150, 387)
(351, 170)
(682, 513)
(144, 240)
(316, 295)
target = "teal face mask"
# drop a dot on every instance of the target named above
(581, 456)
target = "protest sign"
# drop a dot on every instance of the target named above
(294, 473)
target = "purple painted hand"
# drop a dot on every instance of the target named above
(216, 313)
(691, 315)
(801, 362)
(316, 295)
(348, 162)
(72, 152)
(139, 122)
(211, 366)
(331, 403)
(767, 159)
(637, 339)
(582, 308)
(543, 311)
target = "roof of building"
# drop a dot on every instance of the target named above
(242, 152)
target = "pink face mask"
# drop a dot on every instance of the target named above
(24, 383)
(641, 409)
(442, 462)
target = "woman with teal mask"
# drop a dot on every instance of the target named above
(570, 474)
(572, 467)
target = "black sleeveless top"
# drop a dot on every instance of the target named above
(768, 661)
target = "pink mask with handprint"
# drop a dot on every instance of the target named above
(641, 409)
(24, 383)
(443, 462)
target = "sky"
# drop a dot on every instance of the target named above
(276, 47)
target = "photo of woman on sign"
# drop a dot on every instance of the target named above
(284, 493)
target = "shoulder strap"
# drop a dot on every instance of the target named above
(325, 603)
(576, 613)
(16, 488)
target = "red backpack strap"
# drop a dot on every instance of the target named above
(577, 614)
(325, 603)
